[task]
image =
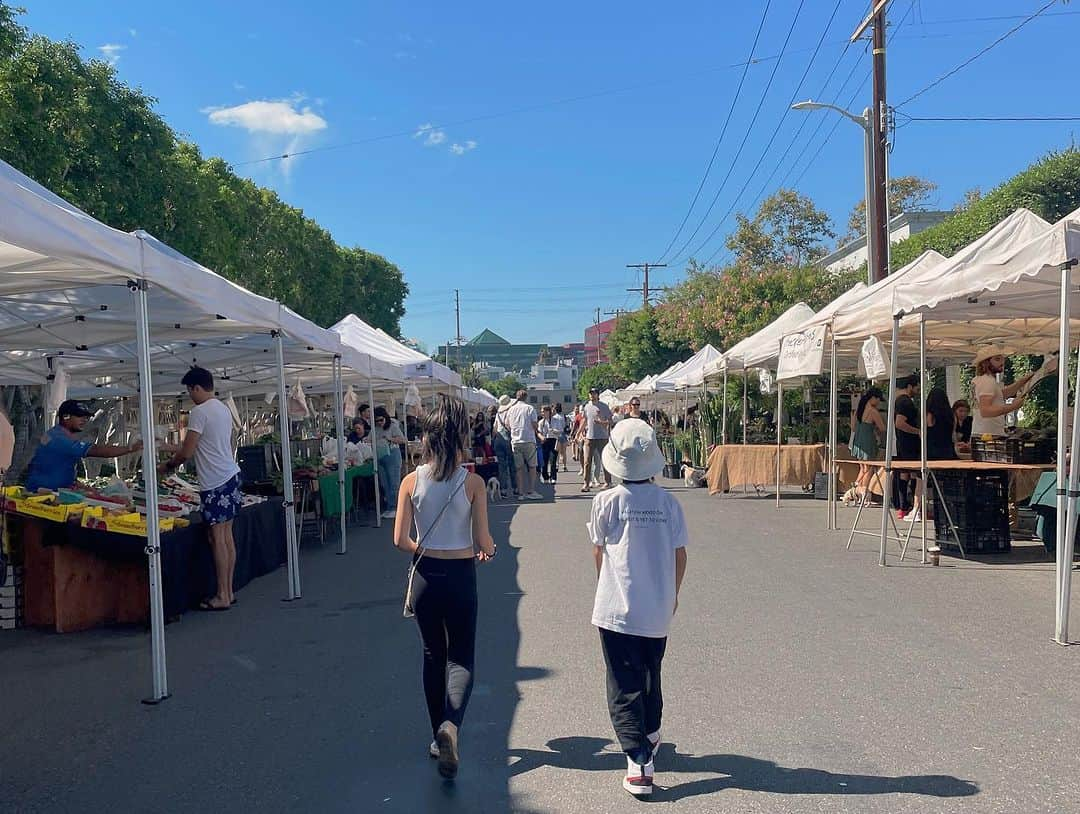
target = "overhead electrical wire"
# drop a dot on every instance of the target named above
(989, 118)
(746, 136)
(979, 54)
(723, 132)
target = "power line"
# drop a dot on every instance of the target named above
(990, 118)
(996, 19)
(746, 136)
(723, 132)
(971, 59)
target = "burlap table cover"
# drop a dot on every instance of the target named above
(738, 464)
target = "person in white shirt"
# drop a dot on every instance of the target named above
(209, 442)
(988, 417)
(639, 539)
(551, 429)
(521, 417)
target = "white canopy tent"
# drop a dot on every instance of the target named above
(73, 288)
(1020, 295)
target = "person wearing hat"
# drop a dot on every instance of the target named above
(988, 417)
(639, 539)
(597, 425)
(57, 457)
(504, 452)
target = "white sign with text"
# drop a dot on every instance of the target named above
(801, 354)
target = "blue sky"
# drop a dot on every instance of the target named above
(534, 214)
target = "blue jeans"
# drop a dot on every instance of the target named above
(390, 476)
(507, 471)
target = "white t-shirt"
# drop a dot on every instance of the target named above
(549, 429)
(214, 461)
(558, 423)
(521, 417)
(594, 414)
(987, 385)
(640, 526)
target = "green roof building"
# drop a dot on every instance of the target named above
(489, 347)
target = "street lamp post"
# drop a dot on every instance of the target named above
(874, 269)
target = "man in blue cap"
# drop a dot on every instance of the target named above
(56, 459)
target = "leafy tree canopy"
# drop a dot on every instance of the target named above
(787, 230)
(636, 350)
(507, 386)
(70, 124)
(602, 376)
(908, 193)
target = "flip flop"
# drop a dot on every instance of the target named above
(206, 606)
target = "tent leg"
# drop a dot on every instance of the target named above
(149, 460)
(779, 434)
(1066, 497)
(924, 382)
(292, 550)
(890, 439)
(374, 453)
(834, 409)
(723, 419)
(339, 419)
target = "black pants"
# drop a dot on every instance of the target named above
(444, 598)
(551, 458)
(634, 696)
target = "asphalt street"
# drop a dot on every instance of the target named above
(799, 677)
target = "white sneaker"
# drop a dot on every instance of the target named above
(914, 517)
(534, 496)
(433, 750)
(639, 778)
(390, 514)
(446, 741)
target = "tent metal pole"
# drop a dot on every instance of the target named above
(405, 419)
(292, 551)
(149, 461)
(924, 382)
(890, 438)
(374, 450)
(723, 419)
(834, 410)
(339, 420)
(779, 434)
(744, 407)
(1066, 501)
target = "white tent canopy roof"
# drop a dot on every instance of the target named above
(668, 380)
(356, 333)
(763, 346)
(692, 374)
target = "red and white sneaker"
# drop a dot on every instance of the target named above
(639, 778)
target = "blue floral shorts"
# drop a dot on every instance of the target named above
(222, 504)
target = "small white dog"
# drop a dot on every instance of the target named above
(692, 476)
(851, 496)
(494, 490)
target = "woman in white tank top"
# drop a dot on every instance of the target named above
(448, 506)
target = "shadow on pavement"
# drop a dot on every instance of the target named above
(732, 772)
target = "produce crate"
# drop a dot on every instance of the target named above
(978, 504)
(41, 508)
(1012, 450)
(11, 599)
(256, 462)
(132, 523)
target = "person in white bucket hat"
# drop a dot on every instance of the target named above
(639, 539)
(990, 409)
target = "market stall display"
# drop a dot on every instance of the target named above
(756, 465)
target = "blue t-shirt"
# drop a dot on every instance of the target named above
(54, 462)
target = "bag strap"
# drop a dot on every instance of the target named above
(420, 543)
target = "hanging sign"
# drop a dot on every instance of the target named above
(874, 360)
(765, 381)
(418, 370)
(801, 354)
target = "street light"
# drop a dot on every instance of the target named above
(866, 123)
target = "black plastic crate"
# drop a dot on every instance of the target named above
(1013, 450)
(256, 462)
(978, 504)
(821, 486)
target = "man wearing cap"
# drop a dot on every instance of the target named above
(56, 459)
(504, 452)
(597, 424)
(988, 417)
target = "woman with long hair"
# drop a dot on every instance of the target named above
(388, 439)
(940, 423)
(869, 430)
(448, 506)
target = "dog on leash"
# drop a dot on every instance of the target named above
(693, 477)
(494, 490)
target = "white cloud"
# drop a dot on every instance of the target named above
(432, 136)
(111, 52)
(404, 56)
(133, 33)
(461, 149)
(279, 116)
(237, 86)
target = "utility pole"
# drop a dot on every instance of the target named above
(878, 238)
(617, 313)
(596, 327)
(645, 283)
(457, 325)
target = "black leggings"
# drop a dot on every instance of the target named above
(444, 598)
(551, 458)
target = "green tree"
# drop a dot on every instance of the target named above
(788, 229)
(683, 318)
(908, 193)
(635, 347)
(507, 386)
(602, 376)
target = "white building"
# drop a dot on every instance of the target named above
(548, 384)
(852, 255)
(491, 373)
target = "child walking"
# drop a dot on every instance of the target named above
(639, 538)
